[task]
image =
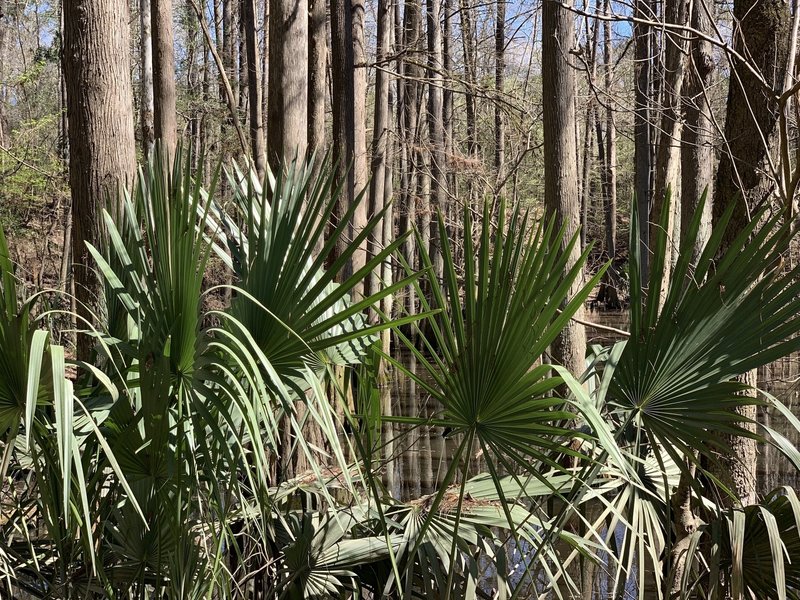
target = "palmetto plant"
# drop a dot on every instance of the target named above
(167, 467)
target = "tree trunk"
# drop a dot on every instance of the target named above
(244, 73)
(761, 32)
(381, 133)
(610, 178)
(101, 129)
(438, 183)
(343, 141)
(409, 134)
(254, 90)
(147, 102)
(166, 124)
(641, 128)
(499, 82)
(470, 74)
(447, 99)
(287, 134)
(317, 68)
(697, 149)
(588, 134)
(560, 163)
(228, 39)
(667, 170)
(359, 159)
(586, 176)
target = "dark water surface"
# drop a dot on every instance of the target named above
(417, 458)
(421, 455)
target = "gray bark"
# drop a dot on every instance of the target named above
(560, 175)
(762, 32)
(287, 134)
(147, 111)
(381, 131)
(499, 83)
(697, 149)
(667, 172)
(642, 131)
(254, 90)
(101, 128)
(165, 119)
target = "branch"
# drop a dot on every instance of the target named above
(225, 82)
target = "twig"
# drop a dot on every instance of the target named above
(608, 328)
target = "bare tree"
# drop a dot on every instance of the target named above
(438, 160)
(667, 168)
(381, 130)
(317, 70)
(610, 170)
(470, 70)
(499, 84)
(643, 39)
(409, 108)
(166, 125)
(761, 34)
(287, 134)
(697, 150)
(101, 130)
(254, 90)
(147, 109)
(560, 156)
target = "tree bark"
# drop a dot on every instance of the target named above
(317, 70)
(166, 124)
(254, 90)
(610, 178)
(343, 142)
(761, 32)
(667, 171)
(147, 113)
(560, 162)
(381, 132)
(438, 184)
(101, 129)
(642, 131)
(287, 135)
(499, 83)
(409, 97)
(697, 149)
(359, 160)
(470, 70)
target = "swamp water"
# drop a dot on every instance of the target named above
(417, 459)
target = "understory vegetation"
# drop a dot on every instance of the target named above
(226, 438)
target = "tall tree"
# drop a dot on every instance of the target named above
(667, 168)
(287, 134)
(147, 108)
(438, 158)
(560, 156)
(499, 83)
(166, 124)
(381, 130)
(359, 108)
(643, 37)
(409, 105)
(761, 33)
(317, 72)
(697, 148)
(101, 131)
(610, 170)
(470, 79)
(342, 68)
(254, 90)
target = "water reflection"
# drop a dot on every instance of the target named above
(422, 454)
